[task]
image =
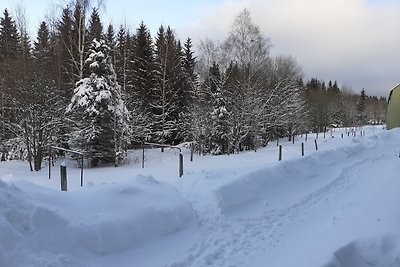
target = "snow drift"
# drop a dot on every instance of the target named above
(42, 227)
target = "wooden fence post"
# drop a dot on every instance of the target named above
(143, 157)
(316, 145)
(63, 172)
(302, 149)
(49, 163)
(306, 137)
(180, 164)
(280, 152)
(82, 171)
(191, 152)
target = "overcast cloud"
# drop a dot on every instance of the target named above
(355, 42)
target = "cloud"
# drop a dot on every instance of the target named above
(354, 42)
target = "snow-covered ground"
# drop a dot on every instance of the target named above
(338, 206)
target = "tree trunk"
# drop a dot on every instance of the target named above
(28, 147)
(38, 159)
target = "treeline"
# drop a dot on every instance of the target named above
(331, 106)
(85, 86)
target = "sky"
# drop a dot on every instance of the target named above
(355, 42)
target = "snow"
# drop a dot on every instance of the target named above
(334, 207)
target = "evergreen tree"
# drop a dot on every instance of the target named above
(188, 97)
(142, 73)
(361, 105)
(109, 37)
(10, 49)
(95, 29)
(168, 87)
(42, 50)
(142, 67)
(220, 133)
(211, 89)
(121, 57)
(101, 118)
(66, 52)
(9, 38)
(10, 71)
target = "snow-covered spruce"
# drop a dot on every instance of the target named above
(100, 119)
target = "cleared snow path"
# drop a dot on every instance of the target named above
(257, 231)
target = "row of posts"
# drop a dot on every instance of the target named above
(63, 168)
(353, 133)
(302, 149)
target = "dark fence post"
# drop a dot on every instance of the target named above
(50, 163)
(302, 149)
(191, 152)
(280, 152)
(293, 138)
(306, 137)
(63, 172)
(316, 145)
(143, 156)
(180, 164)
(82, 171)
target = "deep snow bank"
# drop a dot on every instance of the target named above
(42, 227)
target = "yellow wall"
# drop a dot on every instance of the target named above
(393, 112)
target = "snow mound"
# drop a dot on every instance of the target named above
(382, 252)
(43, 227)
(291, 177)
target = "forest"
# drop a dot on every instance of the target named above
(104, 89)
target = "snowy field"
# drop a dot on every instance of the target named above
(335, 207)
